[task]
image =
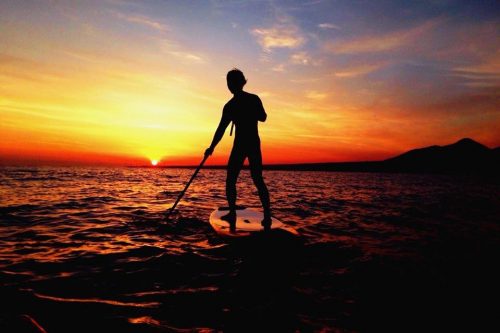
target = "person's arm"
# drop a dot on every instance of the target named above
(261, 113)
(219, 133)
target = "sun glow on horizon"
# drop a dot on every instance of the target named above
(154, 162)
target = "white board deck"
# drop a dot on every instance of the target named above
(248, 221)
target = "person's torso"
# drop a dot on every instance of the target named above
(243, 110)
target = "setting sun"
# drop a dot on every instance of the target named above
(154, 162)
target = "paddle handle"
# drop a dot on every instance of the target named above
(187, 185)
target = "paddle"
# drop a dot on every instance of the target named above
(187, 185)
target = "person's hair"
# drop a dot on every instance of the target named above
(236, 77)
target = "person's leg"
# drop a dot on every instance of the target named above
(234, 166)
(255, 161)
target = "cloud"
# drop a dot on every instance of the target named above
(142, 20)
(189, 57)
(316, 95)
(282, 35)
(301, 58)
(279, 68)
(483, 73)
(471, 104)
(381, 43)
(490, 66)
(170, 47)
(277, 38)
(307, 80)
(266, 94)
(357, 71)
(328, 26)
(13, 68)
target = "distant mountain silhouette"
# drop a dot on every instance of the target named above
(465, 155)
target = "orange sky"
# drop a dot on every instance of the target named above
(124, 83)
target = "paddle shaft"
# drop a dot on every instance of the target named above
(187, 185)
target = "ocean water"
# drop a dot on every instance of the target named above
(90, 249)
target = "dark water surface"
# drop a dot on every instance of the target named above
(89, 249)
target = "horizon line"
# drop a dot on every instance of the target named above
(61, 163)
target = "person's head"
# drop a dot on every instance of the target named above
(235, 80)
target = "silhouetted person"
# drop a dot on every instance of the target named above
(245, 110)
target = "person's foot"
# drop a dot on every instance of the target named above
(229, 217)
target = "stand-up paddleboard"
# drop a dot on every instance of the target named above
(248, 222)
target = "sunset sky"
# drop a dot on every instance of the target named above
(126, 82)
